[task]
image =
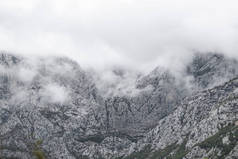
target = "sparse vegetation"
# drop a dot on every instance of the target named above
(215, 141)
(37, 152)
(143, 154)
(161, 154)
(175, 151)
(148, 153)
(180, 152)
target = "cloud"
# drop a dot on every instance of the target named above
(138, 34)
(54, 93)
(26, 74)
(116, 82)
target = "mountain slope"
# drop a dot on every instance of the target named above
(45, 109)
(203, 126)
(209, 70)
(51, 108)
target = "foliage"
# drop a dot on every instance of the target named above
(181, 151)
(161, 154)
(148, 153)
(143, 154)
(37, 152)
(215, 141)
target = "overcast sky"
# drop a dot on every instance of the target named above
(132, 33)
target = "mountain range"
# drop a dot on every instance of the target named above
(51, 108)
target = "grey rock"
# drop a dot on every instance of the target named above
(55, 108)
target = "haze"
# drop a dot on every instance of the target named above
(135, 34)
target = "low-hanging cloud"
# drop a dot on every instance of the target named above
(138, 34)
(54, 93)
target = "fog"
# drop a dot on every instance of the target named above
(135, 34)
(54, 93)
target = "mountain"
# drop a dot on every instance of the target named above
(209, 70)
(52, 108)
(203, 126)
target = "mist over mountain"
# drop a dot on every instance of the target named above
(134, 34)
(125, 79)
(51, 107)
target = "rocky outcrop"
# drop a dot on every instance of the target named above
(209, 70)
(51, 108)
(203, 126)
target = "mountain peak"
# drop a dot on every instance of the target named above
(61, 108)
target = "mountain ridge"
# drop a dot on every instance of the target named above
(54, 108)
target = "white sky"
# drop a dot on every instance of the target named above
(132, 33)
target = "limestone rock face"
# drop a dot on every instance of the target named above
(209, 70)
(52, 108)
(199, 126)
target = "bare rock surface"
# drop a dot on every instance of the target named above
(51, 108)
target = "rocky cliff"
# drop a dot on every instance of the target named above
(51, 108)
